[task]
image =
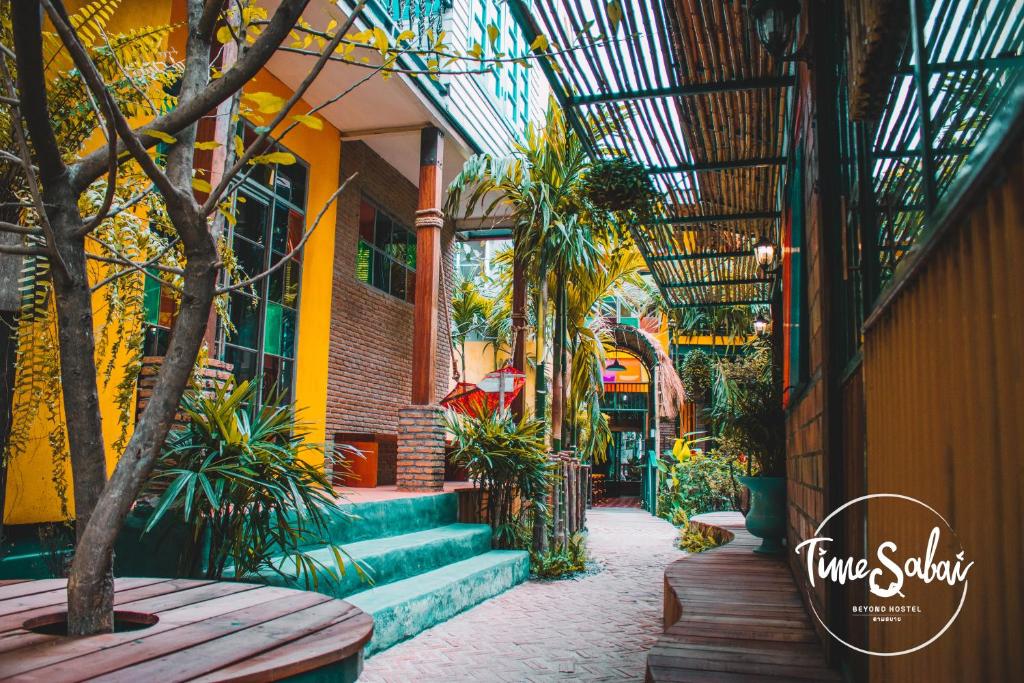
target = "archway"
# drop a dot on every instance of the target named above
(630, 404)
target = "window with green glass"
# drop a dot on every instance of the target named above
(270, 208)
(270, 221)
(386, 256)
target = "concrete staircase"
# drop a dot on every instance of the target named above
(425, 567)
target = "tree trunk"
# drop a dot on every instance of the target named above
(540, 391)
(94, 551)
(93, 608)
(519, 328)
(557, 376)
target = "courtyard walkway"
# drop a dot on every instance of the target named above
(595, 628)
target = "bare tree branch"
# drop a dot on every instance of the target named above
(23, 250)
(187, 112)
(296, 249)
(297, 94)
(33, 60)
(122, 260)
(19, 229)
(136, 267)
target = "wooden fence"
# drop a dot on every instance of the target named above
(569, 497)
(943, 384)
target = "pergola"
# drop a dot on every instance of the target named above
(687, 90)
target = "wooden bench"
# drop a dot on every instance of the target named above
(204, 631)
(733, 616)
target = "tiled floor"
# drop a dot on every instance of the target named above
(620, 502)
(595, 628)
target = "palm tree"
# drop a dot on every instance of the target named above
(540, 188)
(469, 310)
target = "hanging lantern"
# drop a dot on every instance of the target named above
(764, 252)
(775, 22)
(760, 325)
(615, 366)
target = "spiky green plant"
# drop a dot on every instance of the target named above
(238, 477)
(507, 461)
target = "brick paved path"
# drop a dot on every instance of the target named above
(596, 628)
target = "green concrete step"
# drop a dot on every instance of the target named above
(393, 558)
(404, 608)
(380, 519)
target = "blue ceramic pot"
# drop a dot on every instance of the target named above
(767, 516)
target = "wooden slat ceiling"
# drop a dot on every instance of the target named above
(692, 95)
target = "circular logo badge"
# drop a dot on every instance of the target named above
(908, 583)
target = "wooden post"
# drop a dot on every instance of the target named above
(420, 425)
(518, 328)
(429, 221)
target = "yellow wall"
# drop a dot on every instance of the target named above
(321, 149)
(31, 493)
(480, 361)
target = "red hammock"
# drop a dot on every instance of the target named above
(469, 399)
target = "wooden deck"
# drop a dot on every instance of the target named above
(206, 631)
(732, 616)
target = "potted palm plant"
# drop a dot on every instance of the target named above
(747, 411)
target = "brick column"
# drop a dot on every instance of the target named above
(420, 428)
(420, 448)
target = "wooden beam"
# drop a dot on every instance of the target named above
(372, 132)
(687, 90)
(717, 217)
(721, 283)
(429, 221)
(726, 165)
(715, 304)
(700, 257)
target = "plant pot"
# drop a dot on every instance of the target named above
(767, 516)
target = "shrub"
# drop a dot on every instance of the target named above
(237, 477)
(695, 482)
(621, 184)
(747, 411)
(559, 562)
(695, 539)
(695, 372)
(507, 461)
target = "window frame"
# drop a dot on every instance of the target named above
(375, 250)
(272, 199)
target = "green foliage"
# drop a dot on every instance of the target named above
(237, 477)
(695, 373)
(746, 408)
(139, 74)
(722, 323)
(621, 184)
(695, 482)
(694, 538)
(507, 460)
(560, 562)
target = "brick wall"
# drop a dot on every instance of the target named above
(370, 367)
(805, 422)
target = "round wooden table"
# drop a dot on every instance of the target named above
(205, 631)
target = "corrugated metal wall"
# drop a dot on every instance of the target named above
(944, 389)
